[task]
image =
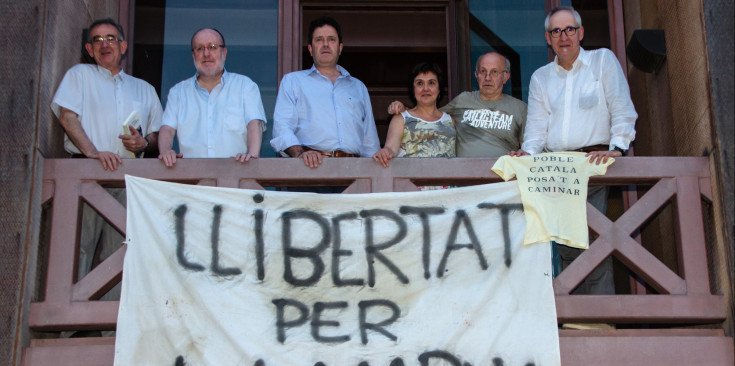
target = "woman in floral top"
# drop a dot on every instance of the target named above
(422, 131)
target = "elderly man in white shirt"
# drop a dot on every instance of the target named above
(579, 102)
(92, 102)
(216, 114)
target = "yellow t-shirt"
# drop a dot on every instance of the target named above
(554, 193)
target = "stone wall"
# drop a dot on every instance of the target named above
(686, 109)
(41, 39)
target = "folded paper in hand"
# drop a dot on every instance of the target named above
(131, 123)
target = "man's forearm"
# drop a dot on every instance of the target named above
(255, 137)
(165, 139)
(73, 127)
(295, 151)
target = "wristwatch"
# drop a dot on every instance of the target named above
(622, 151)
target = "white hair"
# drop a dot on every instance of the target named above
(577, 18)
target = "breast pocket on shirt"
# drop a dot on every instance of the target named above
(234, 120)
(589, 97)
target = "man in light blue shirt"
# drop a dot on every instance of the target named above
(216, 114)
(323, 111)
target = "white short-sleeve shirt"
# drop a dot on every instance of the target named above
(213, 124)
(103, 102)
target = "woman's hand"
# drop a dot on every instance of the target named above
(383, 156)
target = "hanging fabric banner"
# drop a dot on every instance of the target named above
(219, 276)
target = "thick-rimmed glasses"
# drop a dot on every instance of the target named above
(211, 47)
(493, 73)
(569, 31)
(102, 39)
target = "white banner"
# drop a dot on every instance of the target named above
(218, 276)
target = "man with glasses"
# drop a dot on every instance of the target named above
(92, 103)
(580, 102)
(216, 114)
(488, 122)
(323, 111)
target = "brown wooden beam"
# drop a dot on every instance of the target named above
(650, 347)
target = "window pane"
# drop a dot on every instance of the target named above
(512, 28)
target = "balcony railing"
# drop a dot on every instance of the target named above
(654, 322)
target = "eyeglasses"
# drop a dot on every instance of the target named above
(569, 31)
(212, 48)
(493, 73)
(102, 39)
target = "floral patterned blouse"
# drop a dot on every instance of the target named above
(422, 139)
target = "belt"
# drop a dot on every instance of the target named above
(333, 154)
(593, 148)
(78, 156)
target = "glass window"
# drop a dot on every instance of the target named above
(162, 44)
(513, 28)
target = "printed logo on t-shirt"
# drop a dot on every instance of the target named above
(485, 118)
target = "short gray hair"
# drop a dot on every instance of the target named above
(108, 21)
(577, 18)
(507, 62)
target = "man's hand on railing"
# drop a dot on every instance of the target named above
(311, 158)
(169, 157)
(518, 153)
(108, 159)
(597, 157)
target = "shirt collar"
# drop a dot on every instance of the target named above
(222, 81)
(342, 72)
(582, 59)
(120, 75)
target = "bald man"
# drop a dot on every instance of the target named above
(216, 114)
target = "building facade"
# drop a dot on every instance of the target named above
(685, 108)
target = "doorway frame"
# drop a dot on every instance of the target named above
(290, 38)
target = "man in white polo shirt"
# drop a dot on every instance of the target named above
(92, 102)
